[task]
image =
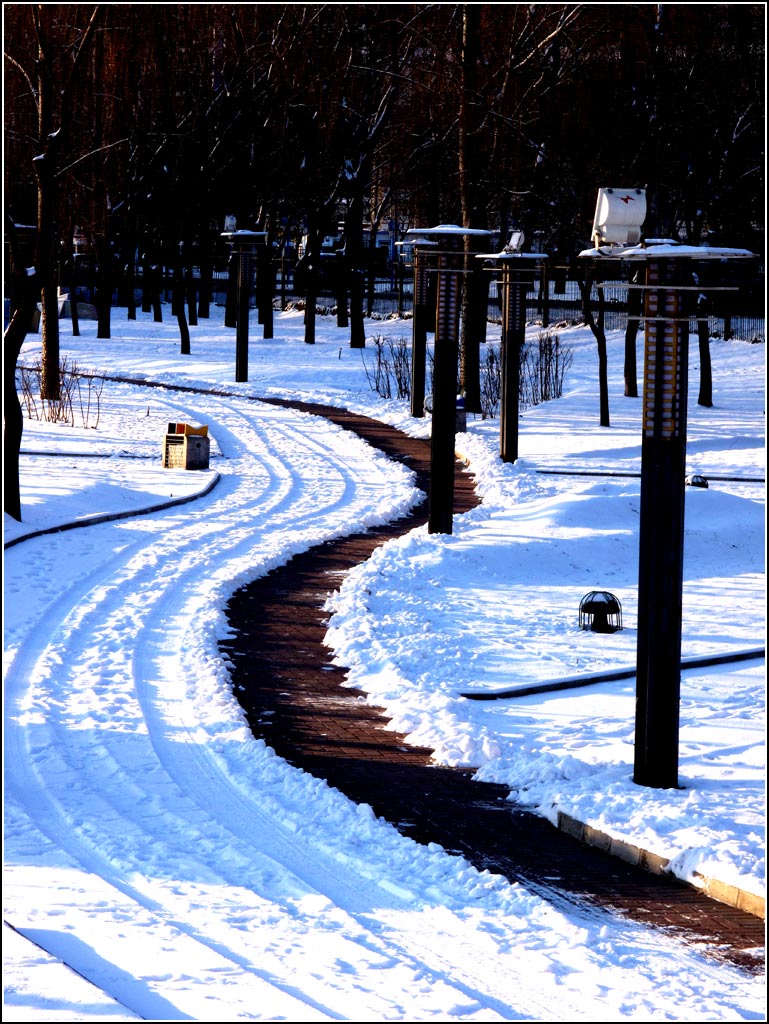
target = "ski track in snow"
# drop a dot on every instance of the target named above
(117, 721)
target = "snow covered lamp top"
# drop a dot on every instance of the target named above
(448, 237)
(448, 229)
(244, 242)
(619, 216)
(513, 251)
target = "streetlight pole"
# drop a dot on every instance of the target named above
(663, 469)
(419, 324)
(243, 248)
(661, 531)
(516, 276)
(448, 264)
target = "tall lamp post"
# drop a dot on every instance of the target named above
(517, 272)
(446, 260)
(663, 467)
(421, 321)
(244, 246)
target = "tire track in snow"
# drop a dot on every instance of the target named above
(153, 587)
(62, 633)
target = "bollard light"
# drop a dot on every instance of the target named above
(600, 612)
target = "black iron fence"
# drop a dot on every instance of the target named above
(735, 310)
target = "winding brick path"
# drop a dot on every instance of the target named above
(293, 699)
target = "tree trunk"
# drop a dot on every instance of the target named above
(705, 397)
(147, 284)
(103, 290)
(314, 245)
(634, 307)
(265, 287)
(191, 288)
(178, 309)
(130, 280)
(70, 280)
(353, 233)
(585, 287)
(206, 281)
(45, 263)
(473, 312)
(231, 298)
(13, 418)
(156, 277)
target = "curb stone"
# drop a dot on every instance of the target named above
(723, 892)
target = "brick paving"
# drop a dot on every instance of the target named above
(292, 696)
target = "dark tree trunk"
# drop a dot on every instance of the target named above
(206, 282)
(705, 397)
(597, 327)
(314, 245)
(130, 281)
(265, 287)
(341, 279)
(634, 307)
(191, 289)
(45, 264)
(103, 291)
(156, 277)
(178, 309)
(353, 233)
(231, 299)
(473, 325)
(25, 294)
(70, 281)
(147, 284)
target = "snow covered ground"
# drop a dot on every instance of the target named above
(177, 864)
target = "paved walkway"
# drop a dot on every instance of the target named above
(293, 699)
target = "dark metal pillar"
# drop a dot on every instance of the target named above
(660, 578)
(241, 328)
(515, 285)
(419, 332)
(445, 365)
(243, 249)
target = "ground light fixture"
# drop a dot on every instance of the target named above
(600, 612)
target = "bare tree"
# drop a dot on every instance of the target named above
(61, 50)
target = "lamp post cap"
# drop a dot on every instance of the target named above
(507, 255)
(448, 229)
(244, 233)
(661, 248)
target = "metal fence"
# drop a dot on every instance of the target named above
(555, 300)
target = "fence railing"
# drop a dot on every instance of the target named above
(555, 299)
